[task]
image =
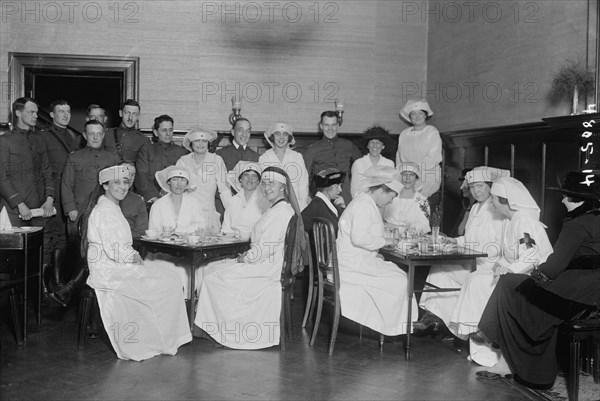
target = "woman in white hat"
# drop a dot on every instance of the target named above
(525, 245)
(281, 137)
(409, 208)
(372, 291)
(376, 139)
(176, 212)
(207, 173)
(144, 303)
(525, 312)
(421, 144)
(460, 312)
(240, 299)
(248, 204)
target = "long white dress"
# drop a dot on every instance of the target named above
(483, 232)
(188, 220)
(206, 177)
(142, 307)
(241, 215)
(518, 254)
(293, 164)
(373, 292)
(358, 169)
(424, 148)
(240, 303)
(412, 212)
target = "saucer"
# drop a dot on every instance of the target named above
(149, 238)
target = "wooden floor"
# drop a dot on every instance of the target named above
(50, 366)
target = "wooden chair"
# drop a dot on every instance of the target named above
(8, 284)
(328, 278)
(311, 298)
(586, 331)
(288, 279)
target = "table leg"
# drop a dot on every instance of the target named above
(192, 295)
(39, 291)
(25, 286)
(410, 289)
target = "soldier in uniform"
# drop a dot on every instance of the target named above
(96, 112)
(331, 152)
(156, 156)
(125, 140)
(134, 208)
(238, 150)
(26, 180)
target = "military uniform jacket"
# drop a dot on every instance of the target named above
(130, 141)
(232, 155)
(25, 174)
(151, 158)
(80, 176)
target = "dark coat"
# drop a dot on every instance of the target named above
(130, 141)
(232, 155)
(151, 158)
(318, 208)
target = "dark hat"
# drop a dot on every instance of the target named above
(379, 133)
(329, 177)
(581, 185)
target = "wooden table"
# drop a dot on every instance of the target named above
(411, 261)
(219, 248)
(28, 242)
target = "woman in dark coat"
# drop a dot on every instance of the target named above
(524, 312)
(329, 188)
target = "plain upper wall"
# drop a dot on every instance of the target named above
(492, 62)
(291, 60)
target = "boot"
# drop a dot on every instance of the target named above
(68, 289)
(45, 290)
(58, 256)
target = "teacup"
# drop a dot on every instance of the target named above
(193, 239)
(152, 234)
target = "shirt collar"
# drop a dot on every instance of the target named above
(237, 145)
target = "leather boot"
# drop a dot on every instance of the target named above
(59, 260)
(68, 289)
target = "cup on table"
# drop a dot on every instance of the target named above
(193, 239)
(152, 234)
(167, 231)
(435, 234)
(423, 246)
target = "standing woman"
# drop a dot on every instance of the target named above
(524, 312)
(240, 300)
(410, 207)
(156, 156)
(207, 173)
(142, 306)
(376, 140)
(281, 137)
(372, 291)
(421, 144)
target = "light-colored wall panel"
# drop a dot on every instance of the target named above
(194, 55)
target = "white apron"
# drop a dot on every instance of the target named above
(240, 303)
(373, 292)
(142, 307)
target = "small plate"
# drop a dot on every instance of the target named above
(148, 238)
(27, 228)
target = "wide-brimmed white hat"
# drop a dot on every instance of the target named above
(388, 176)
(198, 133)
(121, 171)
(485, 174)
(409, 167)
(280, 127)
(413, 105)
(234, 176)
(163, 176)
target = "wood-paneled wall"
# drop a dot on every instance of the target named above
(289, 59)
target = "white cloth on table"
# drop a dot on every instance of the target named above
(483, 233)
(412, 212)
(518, 254)
(424, 148)
(206, 177)
(241, 215)
(293, 164)
(358, 169)
(142, 307)
(188, 220)
(373, 292)
(240, 303)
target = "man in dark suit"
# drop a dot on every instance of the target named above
(329, 187)
(238, 150)
(125, 140)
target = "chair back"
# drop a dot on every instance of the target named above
(326, 258)
(288, 270)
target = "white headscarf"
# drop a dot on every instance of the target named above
(517, 195)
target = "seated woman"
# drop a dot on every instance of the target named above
(409, 208)
(329, 188)
(376, 140)
(143, 304)
(372, 291)
(240, 300)
(281, 137)
(207, 173)
(525, 311)
(483, 233)
(176, 212)
(248, 204)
